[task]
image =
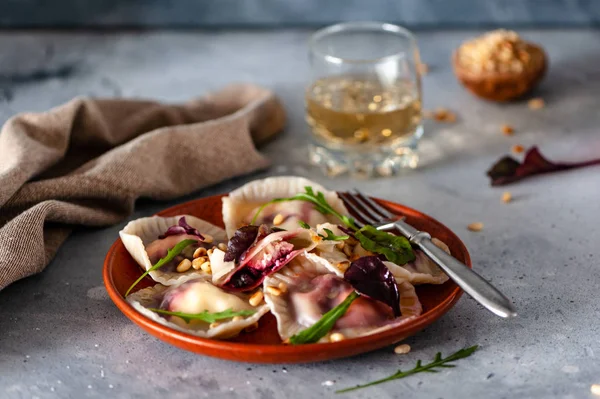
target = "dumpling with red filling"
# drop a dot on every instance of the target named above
(255, 252)
(304, 291)
(241, 205)
(148, 239)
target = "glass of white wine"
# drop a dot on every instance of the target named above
(364, 103)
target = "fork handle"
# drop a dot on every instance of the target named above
(472, 283)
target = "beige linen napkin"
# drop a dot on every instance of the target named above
(86, 162)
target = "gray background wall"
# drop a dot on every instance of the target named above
(259, 13)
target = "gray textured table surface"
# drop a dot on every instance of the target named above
(60, 336)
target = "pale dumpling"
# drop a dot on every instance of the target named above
(422, 270)
(193, 297)
(241, 205)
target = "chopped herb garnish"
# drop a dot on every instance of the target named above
(206, 316)
(332, 237)
(319, 202)
(171, 254)
(419, 368)
(318, 330)
(303, 224)
(396, 249)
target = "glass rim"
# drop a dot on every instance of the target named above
(359, 25)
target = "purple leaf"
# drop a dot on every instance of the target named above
(240, 242)
(181, 228)
(508, 170)
(371, 277)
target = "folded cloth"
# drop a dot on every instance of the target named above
(87, 161)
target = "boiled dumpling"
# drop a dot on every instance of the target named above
(270, 252)
(141, 238)
(193, 297)
(422, 270)
(240, 206)
(312, 290)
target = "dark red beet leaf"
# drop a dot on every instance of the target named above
(181, 228)
(240, 242)
(371, 277)
(508, 170)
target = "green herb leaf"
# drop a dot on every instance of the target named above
(419, 368)
(206, 316)
(303, 224)
(318, 330)
(396, 249)
(171, 254)
(332, 237)
(319, 201)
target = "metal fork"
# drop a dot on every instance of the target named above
(370, 212)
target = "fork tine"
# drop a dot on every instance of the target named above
(364, 200)
(366, 208)
(361, 217)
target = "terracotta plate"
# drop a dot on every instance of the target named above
(264, 345)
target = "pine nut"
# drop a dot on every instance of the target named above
(348, 250)
(508, 130)
(197, 263)
(184, 266)
(237, 318)
(340, 245)
(214, 325)
(506, 197)
(222, 246)
(199, 252)
(256, 298)
(351, 241)
(210, 251)
(402, 349)
(282, 287)
(517, 149)
(274, 291)
(251, 327)
(206, 267)
(336, 337)
(343, 266)
(278, 219)
(208, 238)
(536, 103)
(477, 226)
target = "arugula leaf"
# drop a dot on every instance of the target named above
(332, 237)
(303, 224)
(171, 254)
(206, 316)
(396, 249)
(419, 368)
(319, 202)
(318, 330)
